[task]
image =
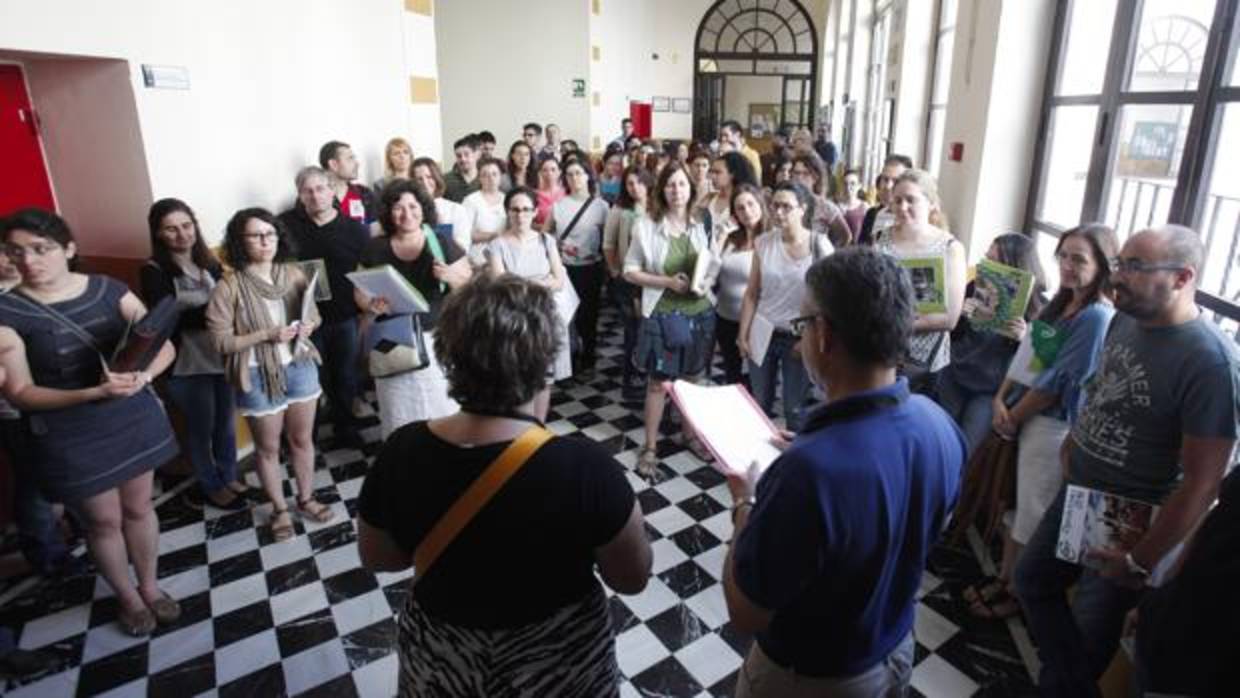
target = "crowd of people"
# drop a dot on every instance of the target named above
(777, 263)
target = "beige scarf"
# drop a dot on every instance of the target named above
(252, 316)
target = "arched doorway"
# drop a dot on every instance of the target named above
(755, 61)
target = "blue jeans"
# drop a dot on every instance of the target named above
(972, 411)
(337, 343)
(1075, 643)
(781, 361)
(206, 400)
(38, 534)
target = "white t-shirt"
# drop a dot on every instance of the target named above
(489, 218)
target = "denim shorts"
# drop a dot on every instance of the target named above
(301, 384)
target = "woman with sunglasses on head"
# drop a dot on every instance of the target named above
(255, 318)
(531, 254)
(182, 266)
(434, 265)
(678, 325)
(774, 294)
(1039, 416)
(93, 436)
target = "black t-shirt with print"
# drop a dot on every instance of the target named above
(529, 551)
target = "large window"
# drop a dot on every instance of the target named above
(940, 85)
(1141, 125)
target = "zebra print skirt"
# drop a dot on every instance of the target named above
(571, 653)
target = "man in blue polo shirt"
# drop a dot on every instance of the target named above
(825, 561)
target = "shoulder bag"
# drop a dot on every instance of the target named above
(475, 497)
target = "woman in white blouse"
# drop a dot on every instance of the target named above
(678, 326)
(773, 301)
(577, 221)
(485, 208)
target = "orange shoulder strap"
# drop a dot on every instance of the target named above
(463, 510)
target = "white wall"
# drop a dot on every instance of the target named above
(993, 109)
(505, 63)
(269, 83)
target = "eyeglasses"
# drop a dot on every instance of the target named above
(262, 237)
(799, 324)
(38, 249)
(1138, 266)
(1073, 260)
(521, 209)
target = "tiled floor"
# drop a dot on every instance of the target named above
(302, 618)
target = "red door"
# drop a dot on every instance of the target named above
(23, 174)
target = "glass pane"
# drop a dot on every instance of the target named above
(1171, 44)
(1046, 244)
(1086, 46)
(1069, 144)
(947, 13)
(1220, 221)
(934, 148)
(1233, 77)
(943, 67)
(1147, 162)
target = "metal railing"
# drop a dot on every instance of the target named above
(1143, 202)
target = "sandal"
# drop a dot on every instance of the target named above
(313, 509)
(137, 624)
(985, 589)
(1001, 606)
(647, 463)
(698, 448)
(165, 608)
(281, 531)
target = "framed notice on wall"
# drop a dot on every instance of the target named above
(661, 103)
(682, 105)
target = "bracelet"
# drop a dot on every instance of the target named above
(736, 506)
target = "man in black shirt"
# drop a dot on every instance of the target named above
(322, 233)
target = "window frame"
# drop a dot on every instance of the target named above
(1207, 100)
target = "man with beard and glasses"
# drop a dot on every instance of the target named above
(1158, 425)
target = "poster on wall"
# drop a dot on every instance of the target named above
(682, 105)
(661, 103)
(762, 119)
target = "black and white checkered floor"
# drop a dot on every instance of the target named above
(302, 617)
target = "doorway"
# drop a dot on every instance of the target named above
(768, 51)
(23, 177)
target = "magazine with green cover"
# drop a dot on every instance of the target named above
(1000, 294)
(929, 283)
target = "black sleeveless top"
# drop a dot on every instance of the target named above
(58, 358)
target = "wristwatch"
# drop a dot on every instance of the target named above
(736, 506)
(1135, 568)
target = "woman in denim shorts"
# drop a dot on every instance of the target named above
(262, 328)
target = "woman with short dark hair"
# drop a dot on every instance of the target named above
(92, 436)
(449, 214)
(254, 316)
(183, 267)
(513, 605)
(436, 266)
